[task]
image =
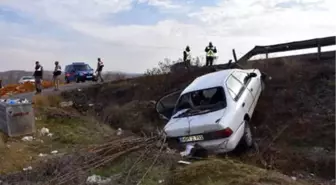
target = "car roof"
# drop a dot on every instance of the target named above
(209, 80)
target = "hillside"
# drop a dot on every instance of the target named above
(294, 128)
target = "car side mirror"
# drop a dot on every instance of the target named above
(251, 75)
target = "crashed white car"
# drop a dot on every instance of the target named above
(214, 110)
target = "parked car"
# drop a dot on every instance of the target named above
(25, 79)
(214, 111)
(79, 72)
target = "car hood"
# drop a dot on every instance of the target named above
(194, 124)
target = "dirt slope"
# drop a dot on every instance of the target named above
(297, 110)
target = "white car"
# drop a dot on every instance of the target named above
(213, 111)
(25, 79)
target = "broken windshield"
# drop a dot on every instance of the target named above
(201, 101)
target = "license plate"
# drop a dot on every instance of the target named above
(88, 76)
(191, 138)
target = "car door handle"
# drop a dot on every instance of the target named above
(243, 104)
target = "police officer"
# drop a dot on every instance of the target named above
(56, 74)
(187, 57)
(38, 74)
(99, 69)
(210, 51)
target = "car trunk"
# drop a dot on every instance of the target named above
(194, 125)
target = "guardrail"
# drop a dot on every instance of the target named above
(296, 45)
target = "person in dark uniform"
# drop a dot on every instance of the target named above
(187, 57)
(210, 51)
(56, 74)
(99, 69)
(38, 74)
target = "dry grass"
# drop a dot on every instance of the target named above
(227, 172)
(47, 100)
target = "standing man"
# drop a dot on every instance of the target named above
(210, 51)
(38, 74)
(57, 72)
(99, 69)
(187, 57)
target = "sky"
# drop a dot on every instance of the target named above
(134, 35)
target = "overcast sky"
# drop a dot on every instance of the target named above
(133, 35)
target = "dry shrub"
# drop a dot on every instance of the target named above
(136, 116)
(47, 100)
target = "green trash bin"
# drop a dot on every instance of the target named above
(17, 119)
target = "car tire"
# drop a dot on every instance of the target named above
(262, 85)
(67, 80)
(77, 80)
(246, 141)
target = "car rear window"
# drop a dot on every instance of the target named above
(205, 98)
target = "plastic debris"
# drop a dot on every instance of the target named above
(66, 104)
(161, 181)
(187, 151)
(42, 155)
(96, 179)
(184, 162)
(119, 131)
(27, 138)
(294, 178)
(28, 168)
(54, 152)
(44, 131)
(50, 134)
(14, 101)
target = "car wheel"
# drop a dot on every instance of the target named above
(262, 85)
(246, 141)
(67, 80)
(247, 137)
(77, 80)
(83, 81)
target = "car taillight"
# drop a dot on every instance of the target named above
(223, 133)
(67, 74)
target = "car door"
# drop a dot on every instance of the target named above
(255, 88)
(253, 84)
(166, 104)
(242, 99)
(247, 95)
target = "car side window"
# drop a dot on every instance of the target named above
(234, 87)
(241, 76)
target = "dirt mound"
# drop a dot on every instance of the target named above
(227, 172)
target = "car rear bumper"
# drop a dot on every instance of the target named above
(221, 145)
(86, 77)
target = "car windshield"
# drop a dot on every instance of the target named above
(84, 67)
(201, 101)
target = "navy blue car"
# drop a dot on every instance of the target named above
(78, 72)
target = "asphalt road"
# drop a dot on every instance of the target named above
(62, 88)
